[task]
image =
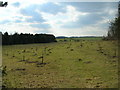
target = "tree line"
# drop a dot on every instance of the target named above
(26, 38)
(114, 27)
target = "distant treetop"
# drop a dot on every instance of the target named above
(26, 38)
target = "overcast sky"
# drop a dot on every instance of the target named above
(58, 18)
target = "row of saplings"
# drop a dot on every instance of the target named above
(100, 50)
(39, 64)
(42, 63)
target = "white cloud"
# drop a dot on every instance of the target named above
(59, 19)
(8, 13)
(17, 27)
(93, 30)
(14, 11)
(11, 13)
(55, 20)
(103, 21)
(73, 14)
(111, 11)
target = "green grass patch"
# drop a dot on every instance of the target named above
(66, 64)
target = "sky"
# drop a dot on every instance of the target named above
(60, 18)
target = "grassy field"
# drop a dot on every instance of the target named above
(76, 63)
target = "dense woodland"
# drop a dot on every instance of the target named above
(26, 38)
(114, 27)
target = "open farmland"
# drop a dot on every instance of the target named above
(68, 63)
